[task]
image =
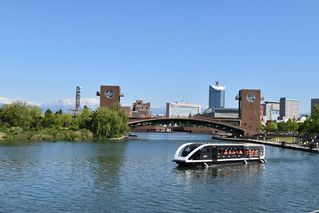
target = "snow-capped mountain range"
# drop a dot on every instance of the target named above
(66, 104)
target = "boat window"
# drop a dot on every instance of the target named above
(196, 156)
(205, 150)
(189, 149)
(230, 152)
(253, 152)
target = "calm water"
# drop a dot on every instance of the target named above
(138, 176)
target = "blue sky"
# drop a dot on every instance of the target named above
(159, 51)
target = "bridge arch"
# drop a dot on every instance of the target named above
(235, 130)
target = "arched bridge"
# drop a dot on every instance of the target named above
(187, 122)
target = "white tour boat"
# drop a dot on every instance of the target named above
(214, 153)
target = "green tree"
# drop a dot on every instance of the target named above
(49, 120)
(315, 113)
(272, 127)
(59, 112)
(311, 125)
(85, 118)
(65, 120)
(282, 127)
(292, 126)
(48, 112)
(262, 128)
(21, 115)
(109, 122)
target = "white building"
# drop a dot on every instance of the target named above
(180, 109)
(271, 110)
(289, 108)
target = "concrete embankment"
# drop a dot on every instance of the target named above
(276, 144)
(118, 139)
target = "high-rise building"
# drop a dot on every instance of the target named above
(271, 110)
(289, 108)
(216, 96)
(180, 109)
(314, 103)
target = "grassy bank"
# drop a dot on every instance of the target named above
(22, 122)
(284, 139)
(17, 134)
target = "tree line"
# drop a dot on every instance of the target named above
(309, 128)
(22, 119)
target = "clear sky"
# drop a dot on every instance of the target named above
(159, 50)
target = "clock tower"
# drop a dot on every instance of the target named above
(249, 110)
(109, 96)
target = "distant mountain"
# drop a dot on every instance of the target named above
(66, 104)
(5, 100)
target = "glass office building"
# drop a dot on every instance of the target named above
(216, 96)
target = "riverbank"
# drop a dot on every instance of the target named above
(18, 134)
(21, 122)
(283, 145)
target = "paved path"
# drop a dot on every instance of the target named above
(276, 144)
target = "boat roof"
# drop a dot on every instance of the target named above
(227, 144)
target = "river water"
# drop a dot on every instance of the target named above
(138, 176)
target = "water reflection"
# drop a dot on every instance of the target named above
(138, 176)
(108, 163)
(236, 170)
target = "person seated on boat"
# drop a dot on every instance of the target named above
(226, 152)
(240, 152)
(233, 152)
